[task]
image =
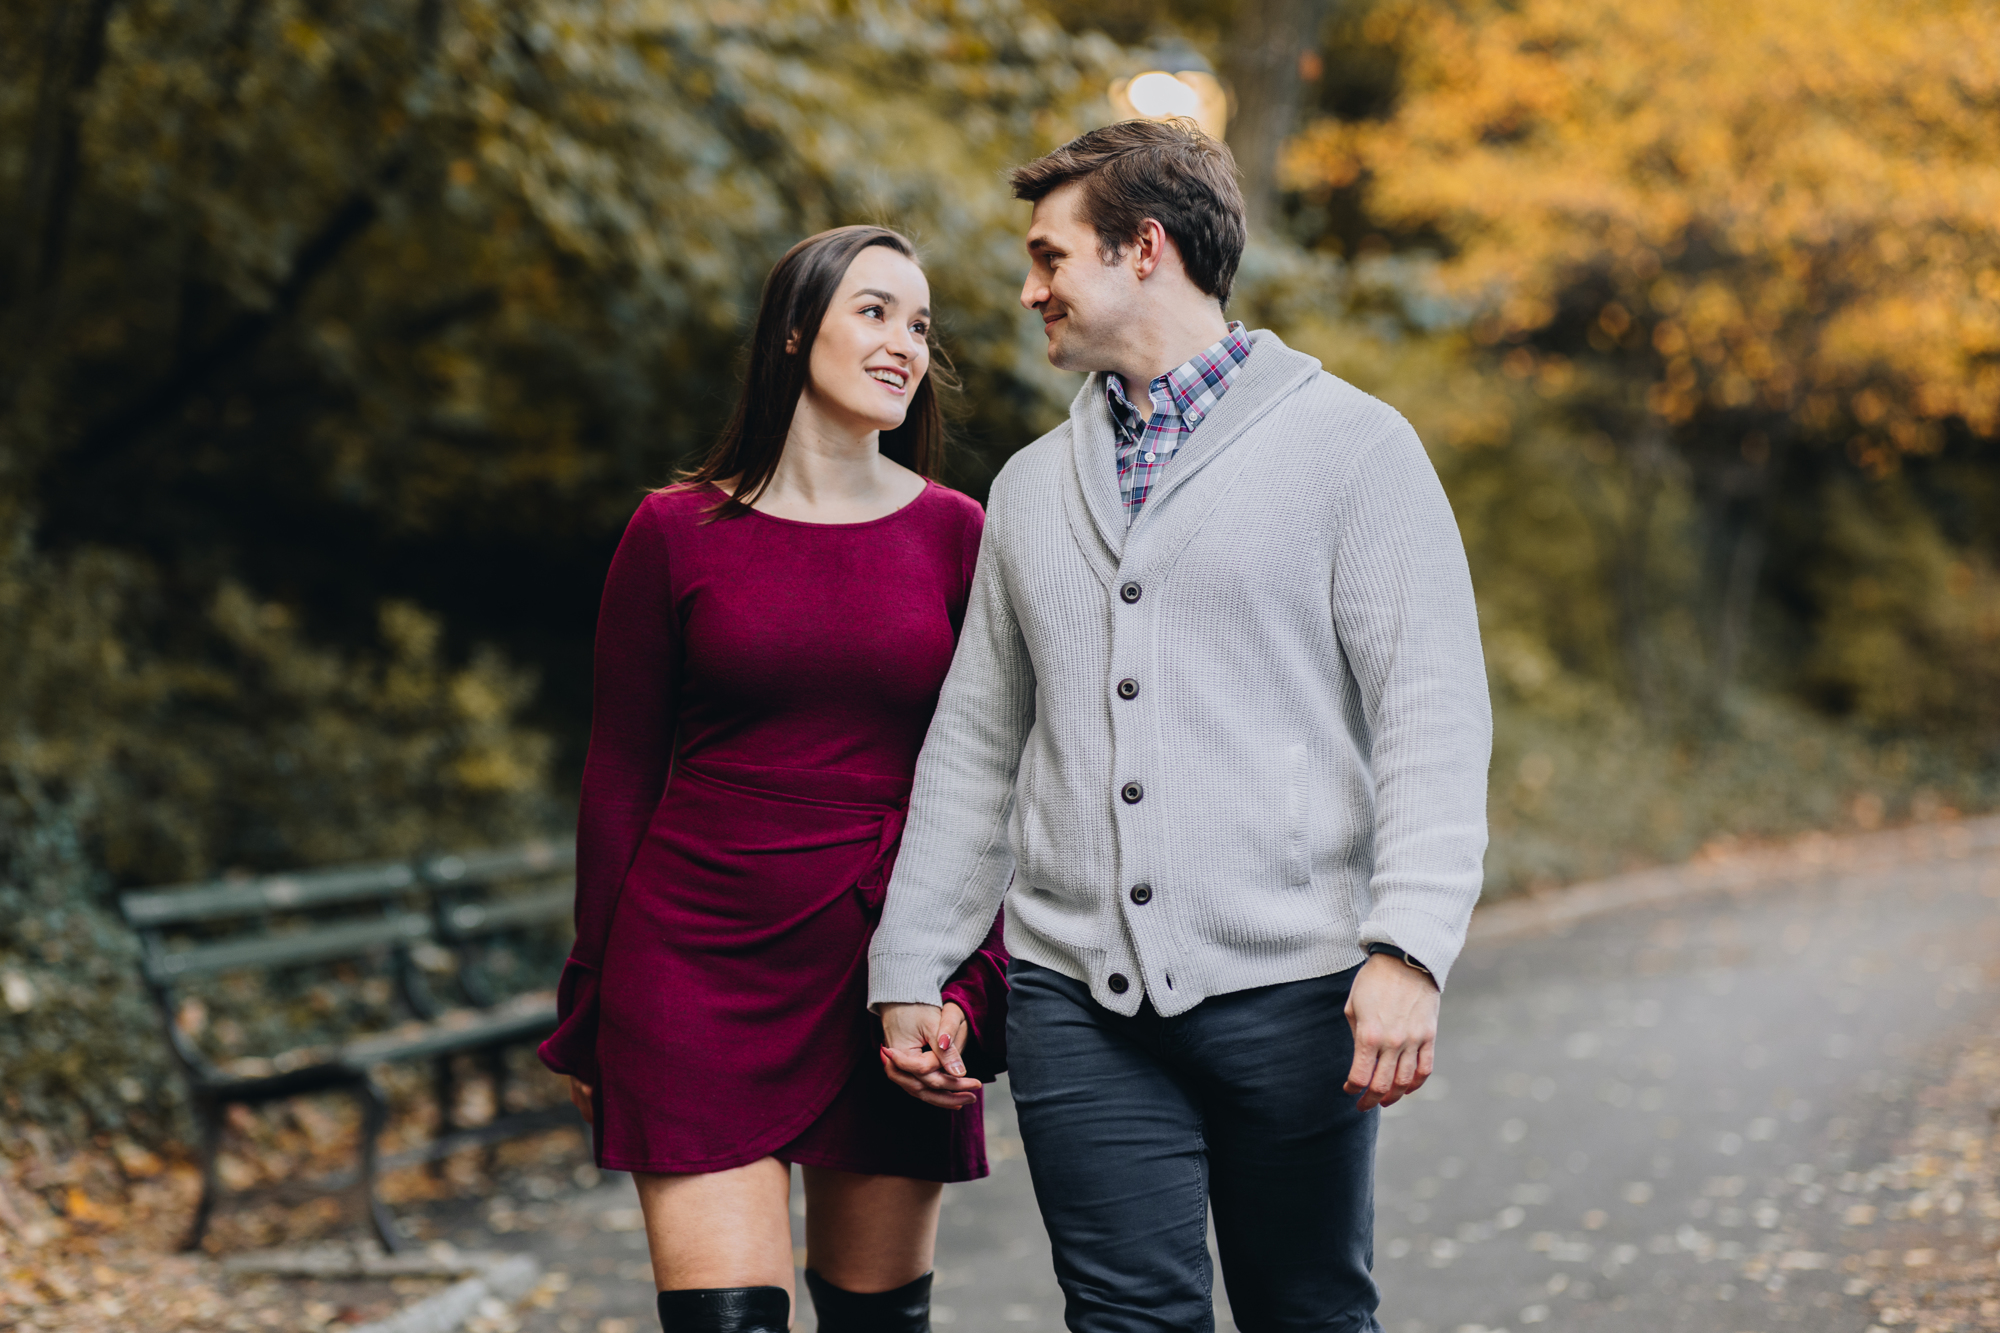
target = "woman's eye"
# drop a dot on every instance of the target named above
(921, 329)
(872, 311)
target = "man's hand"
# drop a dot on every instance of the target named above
(579, 1097)
(1393, 1009)
(921, 1046)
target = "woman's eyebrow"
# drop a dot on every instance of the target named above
(888, 299)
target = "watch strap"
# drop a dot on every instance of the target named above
(1401, 955)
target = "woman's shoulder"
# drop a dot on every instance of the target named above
(954, 508)
(675, 506)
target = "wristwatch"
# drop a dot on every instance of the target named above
(1400, 955)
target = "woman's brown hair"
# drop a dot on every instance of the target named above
(796, 297)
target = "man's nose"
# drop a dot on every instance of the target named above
(1033, 293)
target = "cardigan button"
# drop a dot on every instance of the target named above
(1142, 894)
(1130, 592)
(1116, 981)
(1132, 793)
(1128, 688)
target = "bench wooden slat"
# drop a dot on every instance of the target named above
(503, 863)
(460, 1030)
(317, 946)
(530, 909)
(221, 899)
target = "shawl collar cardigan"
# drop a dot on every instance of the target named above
(1310, 732)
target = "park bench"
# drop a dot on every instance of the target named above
(391, 932)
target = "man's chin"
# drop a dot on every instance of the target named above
(1066, 354)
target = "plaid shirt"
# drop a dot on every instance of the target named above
(1180, 399)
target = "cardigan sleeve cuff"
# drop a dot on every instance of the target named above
(903, 979)
(1434, 943)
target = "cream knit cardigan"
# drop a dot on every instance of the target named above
(1309, 734)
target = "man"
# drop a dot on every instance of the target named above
(1219, 705)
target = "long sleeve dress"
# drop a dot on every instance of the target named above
(762, 689)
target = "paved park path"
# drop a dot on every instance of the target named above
(1662, 1105)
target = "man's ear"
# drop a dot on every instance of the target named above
(1149, 248)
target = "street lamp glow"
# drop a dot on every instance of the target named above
(1157, 95)
(1160, 94)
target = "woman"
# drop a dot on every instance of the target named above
(773, 636)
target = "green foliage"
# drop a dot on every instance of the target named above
(340, 340)
(80, 1044)
(138, 747)
(1909, 631)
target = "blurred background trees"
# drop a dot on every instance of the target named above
(338, 341)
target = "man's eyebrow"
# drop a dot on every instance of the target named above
(888, 298)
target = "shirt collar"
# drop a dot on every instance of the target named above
(1193, 385)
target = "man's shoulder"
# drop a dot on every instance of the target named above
(1033, 467)
(1335, 406)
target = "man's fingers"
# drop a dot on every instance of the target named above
(1407, 1078)
(935, 1088)
(908, 1082)
(1384, 1081)
(1367, 1050)
(915, 1063)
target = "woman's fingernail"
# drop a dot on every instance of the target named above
(944, 1041)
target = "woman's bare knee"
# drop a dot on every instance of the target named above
(720, 1229)
(870, 1233)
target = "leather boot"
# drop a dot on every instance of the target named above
(726, 1310)
(907, 1309)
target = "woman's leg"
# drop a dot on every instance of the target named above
(715, 1237)
(870, 1233)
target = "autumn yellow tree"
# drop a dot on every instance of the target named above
(1732, 235)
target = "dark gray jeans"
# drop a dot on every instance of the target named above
(1136, 1126)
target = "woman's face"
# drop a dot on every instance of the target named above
(873, 349)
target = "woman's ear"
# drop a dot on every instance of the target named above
(792, 343)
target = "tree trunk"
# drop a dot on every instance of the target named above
(73, 51)
(1645, 467)
(1261, 46)
(1741, 499)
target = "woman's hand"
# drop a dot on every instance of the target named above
(579, 1096)
(922, 1049)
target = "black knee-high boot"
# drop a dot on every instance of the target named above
(726, 1310)
(907, 1309)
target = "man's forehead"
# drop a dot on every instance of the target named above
(1055, 215)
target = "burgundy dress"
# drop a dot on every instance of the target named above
(762, 689)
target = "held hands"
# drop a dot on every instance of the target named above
(579, 1097)
(922, 1049)
(1393, 1009)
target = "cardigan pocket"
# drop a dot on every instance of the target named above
(1298, 817)
(1025, 865)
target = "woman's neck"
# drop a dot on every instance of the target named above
(831, 472)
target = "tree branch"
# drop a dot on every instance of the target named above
(244, 333)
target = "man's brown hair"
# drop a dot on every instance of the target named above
(1166, 170)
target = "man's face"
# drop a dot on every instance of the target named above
(1086, 305)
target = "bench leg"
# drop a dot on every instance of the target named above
(496, 1069)
(444, 1088)
(374, 1118)
(209, 1117)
